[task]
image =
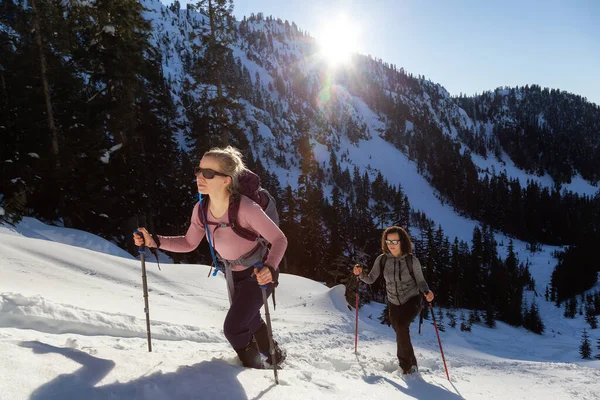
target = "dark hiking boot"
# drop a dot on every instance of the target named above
(262, 339)
(250, 356)
(280, 355)
(413, 370)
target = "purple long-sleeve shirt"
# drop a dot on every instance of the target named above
(226, 242)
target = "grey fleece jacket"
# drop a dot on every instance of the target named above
(400, 286)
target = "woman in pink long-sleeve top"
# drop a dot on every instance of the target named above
(217, 177)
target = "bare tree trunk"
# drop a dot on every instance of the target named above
(4, 92)
(224, 132)
(50, 114)
(48, 100)
(128, 130)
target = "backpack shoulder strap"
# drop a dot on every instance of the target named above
(203, 210)
(233, 213)
(409, 262)
(382, 261)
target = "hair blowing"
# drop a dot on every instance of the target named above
(231, 163)
(405, 242)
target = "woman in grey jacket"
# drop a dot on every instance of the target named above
(404, 284)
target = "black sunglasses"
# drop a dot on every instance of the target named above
(394, 242)
(207, 172)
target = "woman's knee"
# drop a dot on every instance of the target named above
(229, 328)
(402, 327)
(233, 326)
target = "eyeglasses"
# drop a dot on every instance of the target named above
(207, 172)
(394, 242)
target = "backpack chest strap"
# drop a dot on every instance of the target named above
(219, 224)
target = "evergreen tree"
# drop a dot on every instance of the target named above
(439, 320)
(452, 318)
(490, 321)
(589, 300)
(442, 274)
(425, 312)
(43, 103)
(131, 91)
(333, 219)
(385, 316)
(571, 308)
(36, 17)
(465, 326)
(533, 320)
(335, 168)
(590, 317)
(104, 79)
(510, 310)
(473, 317)
(313, 239)
(288, 222)
(474, 277)
(585, 349)
(401, 209)
(576, 271)
(456, 275)
(216, 64)
(20, 84)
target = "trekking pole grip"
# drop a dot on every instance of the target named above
(142, 248)
(260, 266)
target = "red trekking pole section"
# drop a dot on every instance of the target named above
(356, 328)
(439, 341)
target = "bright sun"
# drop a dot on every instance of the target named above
(337, 41)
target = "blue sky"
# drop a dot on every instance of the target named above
(467, 46)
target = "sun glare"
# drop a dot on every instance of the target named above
(337, 41)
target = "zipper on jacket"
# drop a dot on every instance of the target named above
(396, 280)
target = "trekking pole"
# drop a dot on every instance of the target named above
(269, 330)
(141, 250)
(356, 328)
(421, 318)
(439, 341)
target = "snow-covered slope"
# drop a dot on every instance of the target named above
(72, 326)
